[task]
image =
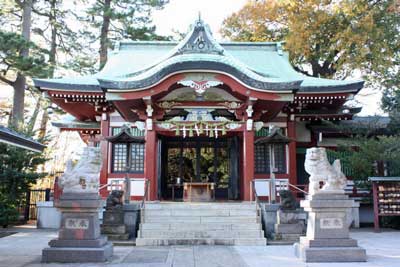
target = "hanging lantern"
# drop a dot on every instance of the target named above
(216, 132)
(190, 132)
(211, 133)
(197, 129)
(184, 131)
(201, 128)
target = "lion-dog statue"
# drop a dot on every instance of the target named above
(320, 170)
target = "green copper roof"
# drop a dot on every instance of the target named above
(68, 121)
(260, 65)
(14, 138)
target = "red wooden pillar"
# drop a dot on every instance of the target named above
(248, 163)
(150, 171)
(291, 131)
(105, 132)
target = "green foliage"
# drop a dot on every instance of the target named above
(126, 16)
(8, 212)
(55, 24)
(11, 60)
(17, 174)
(362, 154)
(391, 102)
(121, 19)
(325, 38)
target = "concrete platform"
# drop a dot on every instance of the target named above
(25, 247)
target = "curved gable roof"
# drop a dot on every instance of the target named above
(139, 65)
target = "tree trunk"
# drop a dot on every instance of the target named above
(53, 44)
(17, 119)
(17, 113)
(32, 120)
(104, 33)
(43, 124)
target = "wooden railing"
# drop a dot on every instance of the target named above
(300, 191)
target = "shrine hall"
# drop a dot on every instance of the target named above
(201, 113)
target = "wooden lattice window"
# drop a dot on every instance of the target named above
(124, 153)
(137, 157)
(261, 158)
(120, 157)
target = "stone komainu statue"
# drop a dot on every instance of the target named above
(320, 170)
(114, 199)
(288, 201)
(84, 176)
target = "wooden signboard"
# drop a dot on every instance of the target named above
(386, 194)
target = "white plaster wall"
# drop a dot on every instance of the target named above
(48, 216)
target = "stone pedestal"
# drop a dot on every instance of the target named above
(79, 238)
(327, 238)
(269, 218)
(113, 224)
(290, 225)
(132, 218)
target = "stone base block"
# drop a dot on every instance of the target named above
(330, 254)
(74, 254)
(113, 229)
(289, 228)
(332, 242)
(287, 237)
(114, 237)
(115, 217)
(291, 216)
(95, 243)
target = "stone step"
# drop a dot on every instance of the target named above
(199, 205)
(200, 219)
(201, 241)
(287, 237)
(201, 234)
(200, 226)
(113, 237)
(199, 212)
(124, 243)
(280, 242)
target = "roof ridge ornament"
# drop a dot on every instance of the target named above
(199, 40)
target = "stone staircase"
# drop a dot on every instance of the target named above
(200, 224)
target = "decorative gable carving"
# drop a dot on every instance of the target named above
(200, 40)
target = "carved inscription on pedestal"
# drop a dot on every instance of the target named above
(72, 223)
(331, 223)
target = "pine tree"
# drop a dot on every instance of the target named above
(17, 174)
(118, 19)
(15, 67)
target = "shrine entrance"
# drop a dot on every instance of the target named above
(198, 160)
